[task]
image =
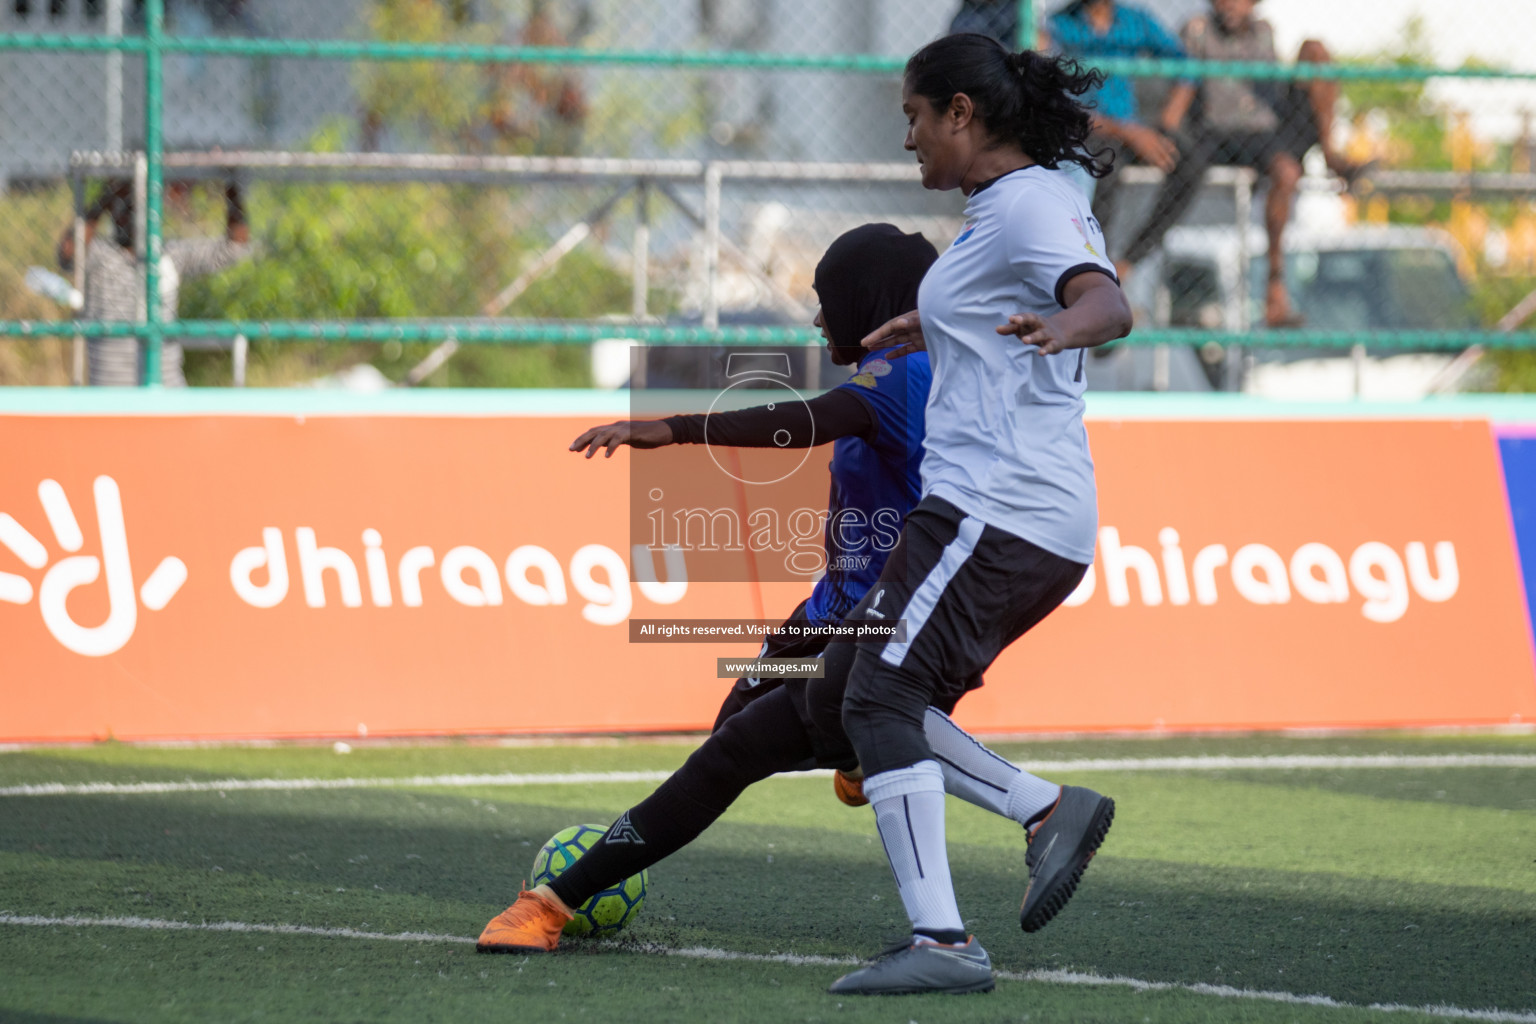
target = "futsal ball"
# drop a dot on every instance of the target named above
(609, 910)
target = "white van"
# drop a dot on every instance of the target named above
(1356, 279)
(1362, 278)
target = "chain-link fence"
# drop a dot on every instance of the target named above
(1294, 181)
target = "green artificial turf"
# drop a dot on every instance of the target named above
(1409, 886)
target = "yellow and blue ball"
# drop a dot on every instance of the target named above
(607, 911)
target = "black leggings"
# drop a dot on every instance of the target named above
(794, 644)
(790, 727)
(767, 736)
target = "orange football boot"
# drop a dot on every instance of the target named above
(849, 789)
(531, 925)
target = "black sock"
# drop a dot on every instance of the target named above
(947, 936)
(765, 737)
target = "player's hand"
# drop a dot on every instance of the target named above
(635, 433)
(1152, 146)
(1033, 329)
(905, 332)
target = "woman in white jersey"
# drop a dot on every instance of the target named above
(1005, 529)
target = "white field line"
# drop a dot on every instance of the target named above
(1286, 762)
(234, 785)
(154, 924)
(792, 959)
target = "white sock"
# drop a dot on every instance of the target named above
(909, 811)
(978, 776)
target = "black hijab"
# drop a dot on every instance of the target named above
(868, 276)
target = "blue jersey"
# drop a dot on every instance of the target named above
(875, 483)
(1133, 33)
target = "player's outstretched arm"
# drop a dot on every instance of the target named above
(905, 331)
(804, 424)
(635, 433)
(1095, 312)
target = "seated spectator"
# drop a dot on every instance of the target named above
(114, 285)
(1106, 28)
(1247, 123)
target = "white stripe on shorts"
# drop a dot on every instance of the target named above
(926, 597)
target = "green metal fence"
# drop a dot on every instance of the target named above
(1455, 186)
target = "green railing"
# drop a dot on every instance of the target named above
(575, 333)
(154, 44)
(857, 63)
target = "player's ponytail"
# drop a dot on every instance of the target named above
(1025, 97)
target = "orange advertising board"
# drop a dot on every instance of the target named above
(1255, 575)
(287, 576)
(341, 575)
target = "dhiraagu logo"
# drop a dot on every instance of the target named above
(78, 570)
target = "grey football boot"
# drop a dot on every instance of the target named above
(1060, 848)
(920, 966)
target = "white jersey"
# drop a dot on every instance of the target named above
(1005, 440)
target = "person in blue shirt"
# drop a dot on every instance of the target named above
(1107, 28)
(876, 424)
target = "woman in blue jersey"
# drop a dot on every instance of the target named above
(1005, 529)
(874, 421)
(876, 425)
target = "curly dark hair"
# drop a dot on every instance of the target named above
(1025, 97)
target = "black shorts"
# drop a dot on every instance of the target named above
(1296, 133)
(965, 590)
